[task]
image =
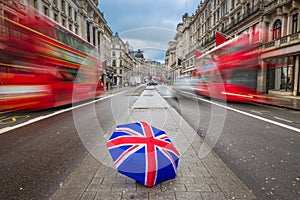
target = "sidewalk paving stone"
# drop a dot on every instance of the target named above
(203, 178)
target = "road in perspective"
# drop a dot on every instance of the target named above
(150, 100)
(50, 157)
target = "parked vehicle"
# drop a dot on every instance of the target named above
(152, 83)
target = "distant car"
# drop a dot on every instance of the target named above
(152, 83)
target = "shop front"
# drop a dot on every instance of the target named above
(283, 75)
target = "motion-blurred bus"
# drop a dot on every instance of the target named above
(229, 72)
(44, 65)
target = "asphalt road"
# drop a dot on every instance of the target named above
(264, 155)
(37, 158)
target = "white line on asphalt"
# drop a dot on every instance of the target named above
(254, 116)
(256, 112)
(55, 113)
(250, 115)
(168, 96)
(286, 120)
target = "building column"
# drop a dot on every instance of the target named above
(289, 24)
(262, 78)
(284, 25)
(296, 76)
(39, 6)
(263, 35)
(82, 26)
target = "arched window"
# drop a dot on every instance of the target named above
(277, 29)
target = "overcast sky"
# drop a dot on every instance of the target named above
(146, 24)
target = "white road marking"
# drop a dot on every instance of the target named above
(250, 115)
(6, 129)
(257, 112)
(168, 96)
(286, 120)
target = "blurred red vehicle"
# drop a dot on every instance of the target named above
(44, 65)
(229, 72)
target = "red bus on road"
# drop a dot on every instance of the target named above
(229, 72)
(44, 65)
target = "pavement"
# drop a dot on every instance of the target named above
(201, 174)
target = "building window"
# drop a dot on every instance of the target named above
(214, 18)
(35, 4)
(64, 22)
(224, 9)
(208, 22)
(46, 11)
(55, 17)
(276, 30)
(113, 53)
(232, 4)
(281, 74)
(76, 31)
(70, 27)
(232, 20)
(295, 23)
(98, 42)
(70, 11)
(209, 7)
(94, 36)
(114, 63)
(248, 9)
(55, 2)
(75, 16)
(88, 34)
(63, 6)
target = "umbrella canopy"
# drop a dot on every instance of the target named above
(143, 153)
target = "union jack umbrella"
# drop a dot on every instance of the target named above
(143, 153)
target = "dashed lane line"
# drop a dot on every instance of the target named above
(285, 120)
(255, 111)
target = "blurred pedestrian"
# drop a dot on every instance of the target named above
(107, 84)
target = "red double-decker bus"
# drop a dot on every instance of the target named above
(229, 72)
(44, 65)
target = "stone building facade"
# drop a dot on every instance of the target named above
(281, 48)
(172, 69)
(155, 70)
(274, 24)
(140, 69)
(122, 62)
